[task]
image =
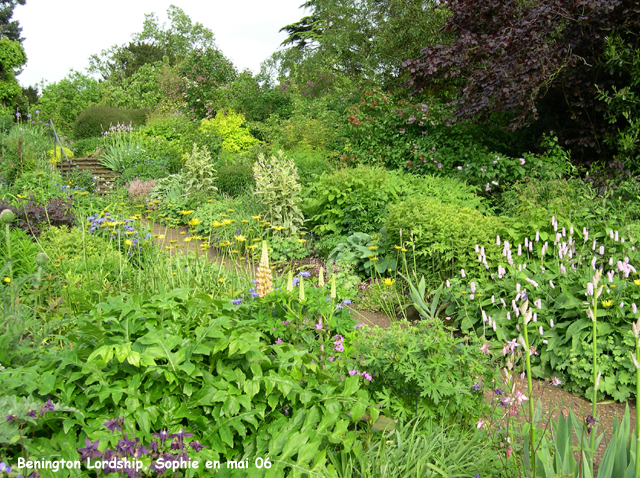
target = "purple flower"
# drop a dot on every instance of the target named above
(353, 372)
(357, 326)
(48, 407)
(196, 445)
(236, 301)
(367, 376)
(279, 341)
(90, 451)
(32, 414)
(114, 424)
(346, 302)
(162, 435)
(318, 326)
(304, 274)
(331, 359)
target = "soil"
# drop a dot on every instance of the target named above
(553, 399)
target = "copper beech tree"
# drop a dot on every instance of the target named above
(531, 60)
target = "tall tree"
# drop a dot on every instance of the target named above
(364, 40)
(12, 58)
(531, 60)
(10, 29)
(152, 44)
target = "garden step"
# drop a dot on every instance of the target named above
(105, 177)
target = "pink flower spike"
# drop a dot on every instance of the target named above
(462, 273)
(555, 381)
(485, 348)
(480, 423)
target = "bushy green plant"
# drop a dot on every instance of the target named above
(418, 137)
(170, 189)
(39, 185)
(199, 173)
(424, 366)
(23, 253)
(193, 364)
(56, 155)
(442, 237)
(368, 253)
(23, 149)
(555, 277)
(351, 200)
(94, 121)
(235, 178)
(278, 189)
(310, 163)
(86, 147)
(228, 125)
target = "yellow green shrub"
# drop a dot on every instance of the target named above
(55, 157)
(229, 125)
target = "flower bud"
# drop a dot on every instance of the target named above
(321, 277)
(597, 384)
(333, 288)
(41, 259)
(634, 360)
(301, 295)
(290, 281)
(7, 216)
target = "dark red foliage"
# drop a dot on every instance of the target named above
(532, 59)
(31, 216)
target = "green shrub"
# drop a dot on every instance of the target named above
(402, 357)
(96, 120)
(353, 200)
(23, 252)
(229, 126)
(443, 236)
(278, 190)
(199, 173)
(310, 163)
(39, 185)
(86, 147)
(236, 178)
(6, 123)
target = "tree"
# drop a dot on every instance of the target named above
(12, 57)
(153, 44)
(364, 40)
(10, 28)
(531, 60)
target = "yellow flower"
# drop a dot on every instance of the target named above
(185, 213)
(128, 242)
(388, 281)
(182, 233)
(277, 228)
(301, 241)
(172, 241)
(403, 250)
(244, 221)
(230, 210)
(221, 280)
(256, 239)
(84, 193)
(7, 280)
(257, 218)
(398, 247)
(607, 303)
(122, 204)
(463, 292)
(210, 201)
(373, 259)
(612, 286)
(223, 215)
(303, 233)
(226, 222)
(637, 282)
(194, 222)
(240, 238)
(217, 224)
(187, 239)
(373, 248)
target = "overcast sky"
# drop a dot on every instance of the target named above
(63, 34)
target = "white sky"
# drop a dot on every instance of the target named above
(63, 34)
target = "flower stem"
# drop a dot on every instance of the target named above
(532, 430)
